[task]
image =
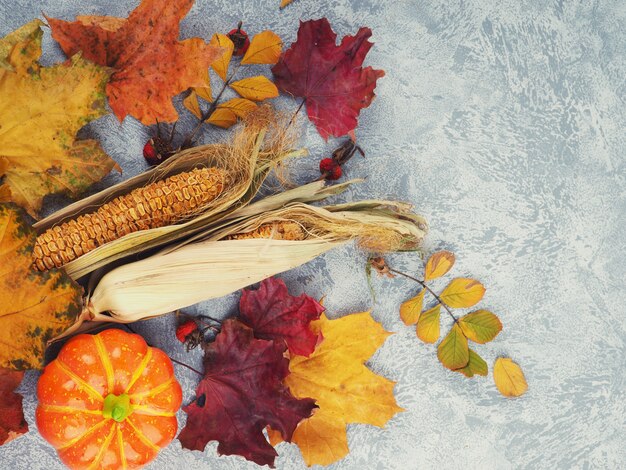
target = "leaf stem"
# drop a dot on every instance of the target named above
(423, 284)
(295, 114)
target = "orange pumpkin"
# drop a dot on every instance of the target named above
(108, 401)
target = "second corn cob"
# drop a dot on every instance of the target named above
(158, 204)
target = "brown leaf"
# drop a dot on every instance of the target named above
(438, 265)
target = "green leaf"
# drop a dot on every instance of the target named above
(453, 352)
(475, 366)
(480, 326)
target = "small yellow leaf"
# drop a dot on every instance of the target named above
(462, 292)
(204, 93)
(221, 64)
(255, 88)
(227, 113)
(410, 310)
(428, 325)
(509, 378)
(438, 265)
(475, 366)
(480, 326)
(265, 48)
(284, 3)
(453, 351)
(191, 103)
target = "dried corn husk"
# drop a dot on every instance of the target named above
(215, 267)
(257, 148)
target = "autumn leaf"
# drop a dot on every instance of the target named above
(150, 65)
(344, 389)
(480, 326)
(462, 292)
(192, 104)
(38, 151)
(221, 64)
(453, 351)
(12, 422)
(255, 88)
(240, 394)
(509, 378)
(438, 265)
(428, 325)
(330, 78)
(284, 3)
(410, 310)
(226, 114)
(475, 366)
(274, 314)
(265, 48)
(34, 306)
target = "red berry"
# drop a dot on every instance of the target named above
(185, 329)
(330, 168)
(240, 39)
(151, 154)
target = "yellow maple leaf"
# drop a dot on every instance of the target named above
(38, 151)
(344, 389)
(34, 307)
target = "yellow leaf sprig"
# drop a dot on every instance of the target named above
(265, 48)
(480, 326)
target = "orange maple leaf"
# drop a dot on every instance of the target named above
(150, 64)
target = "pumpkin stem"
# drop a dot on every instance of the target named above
(117, 407)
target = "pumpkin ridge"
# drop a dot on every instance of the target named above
(149, 411)
(80, 382)
(89, 431)
(120, 446)
(142, 437)
(152, 392)
(105, 446)
(140, 368)
(106, 363)
(68, 409)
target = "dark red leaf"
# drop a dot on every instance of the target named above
(329, 77)
(241, 393)
(274, 314)
(12, 423)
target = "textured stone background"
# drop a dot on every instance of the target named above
(503, 121)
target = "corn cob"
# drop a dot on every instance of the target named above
(158, 204)
(276, 231)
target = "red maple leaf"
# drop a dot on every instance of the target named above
(274, 314)
(241, 393)
(150, 64)
(12, 422)
(329, 77)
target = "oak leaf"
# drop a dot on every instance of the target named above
(150, 65)
(265, 48)
(344, 389)
(240, 394)
(330, 78)
(274, 314)
(462, 292)
(476, 365)
(38, 151)
(12, 422)
(438, 265)
(34, 306)
(453, 351)
(509, 378)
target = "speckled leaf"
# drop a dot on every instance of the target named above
(476, 365)
(438, 265)
(12, 422)
(24, 35)
(150, 65)
(453, 351)
(410, 310)
(48, 105)
(34, 307)
(480, 326)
